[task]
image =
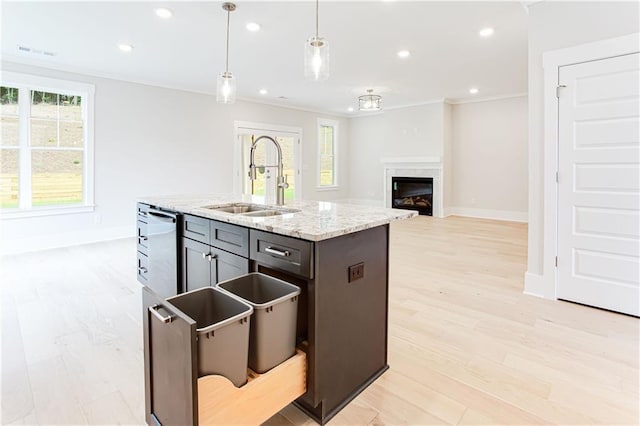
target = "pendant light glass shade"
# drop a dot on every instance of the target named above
(226, 88)
(316, 56)
(226, 85)
(316, 59)
(370, 102)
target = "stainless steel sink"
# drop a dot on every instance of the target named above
(254, 210)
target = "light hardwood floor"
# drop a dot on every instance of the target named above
(465, 345)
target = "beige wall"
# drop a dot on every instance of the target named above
(490, 156)
(555, 25)
(413, 131)
(155, 141)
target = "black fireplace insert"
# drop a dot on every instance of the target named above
(412, 194)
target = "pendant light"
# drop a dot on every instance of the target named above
(226, 87)
(370, 102)
(316, 56)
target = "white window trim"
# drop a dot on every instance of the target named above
(273, 130)
(336, 137)
(25, 82)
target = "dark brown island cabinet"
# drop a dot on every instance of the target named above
(341, 328)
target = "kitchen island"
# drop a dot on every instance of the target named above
(337, 254)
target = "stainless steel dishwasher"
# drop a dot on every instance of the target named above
(163, 265)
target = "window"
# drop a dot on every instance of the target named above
(327, 153)
(46, 153)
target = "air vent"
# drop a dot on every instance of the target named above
(33, 51)
(283, 97)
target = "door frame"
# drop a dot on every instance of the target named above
(551, 62)
(268, 129)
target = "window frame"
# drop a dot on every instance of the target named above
(325, 122)
(25, 83)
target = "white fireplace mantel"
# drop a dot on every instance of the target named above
(414, 167)
(412, 162)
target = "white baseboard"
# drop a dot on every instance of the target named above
(447, 211)
(512, 216)
(535, 285)
(66, 239)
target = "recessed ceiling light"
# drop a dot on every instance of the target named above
(473, 90)
(253, 27)
(403, 54)
(263, 91)
(350, 109)
(164, 13)
(125, 47)
(486, 32)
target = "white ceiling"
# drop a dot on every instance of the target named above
(187, 51)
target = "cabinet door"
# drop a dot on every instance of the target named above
(170, 363)
(143, 268)
(225, 266)
(143, 236)
(196, 267)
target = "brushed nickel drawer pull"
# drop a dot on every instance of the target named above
(278, 252)
(153, 310)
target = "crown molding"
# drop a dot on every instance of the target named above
(487, 98)
(86, 72)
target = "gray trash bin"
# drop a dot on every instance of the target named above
(273, 327)
(222, 326)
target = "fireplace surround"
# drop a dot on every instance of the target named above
(415, 167)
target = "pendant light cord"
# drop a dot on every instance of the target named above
(228, 20)
(317, 8)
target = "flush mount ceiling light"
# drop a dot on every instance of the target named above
(370, 102)
(263, 91)
(350, 109)
(473, 90)
(125, 47)
(164, 13)
(253, 27)
(316, 56)
(404, 54)
(226, 86)
(486, 32)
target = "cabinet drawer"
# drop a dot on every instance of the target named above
(143, 237)
(143, 210)
(143, 265)
(175, 395)
(196, 228)
(221, 403)
(280, 252)
(232, 238)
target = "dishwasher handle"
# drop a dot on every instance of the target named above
(163, 216)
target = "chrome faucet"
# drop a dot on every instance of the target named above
(281, 181)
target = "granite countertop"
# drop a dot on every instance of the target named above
(316, 220)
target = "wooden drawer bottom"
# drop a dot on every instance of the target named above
(221, 403)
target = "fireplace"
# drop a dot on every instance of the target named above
(412, 193)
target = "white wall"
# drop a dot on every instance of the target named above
(555, 25)
(414, 131)
(490, 146)
(447, 157)
(155, 141)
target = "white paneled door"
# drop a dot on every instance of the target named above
(598, 184)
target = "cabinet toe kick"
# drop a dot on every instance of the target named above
(221, 403)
